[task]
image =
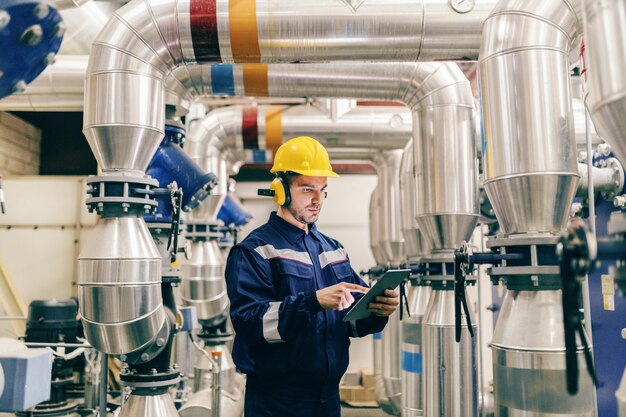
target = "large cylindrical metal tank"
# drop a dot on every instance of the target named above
(450, 368)
(119, 286)
(414, 243)
(203, 284)
(412, 350)
(529, 359)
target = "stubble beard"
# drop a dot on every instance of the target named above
(302, 216)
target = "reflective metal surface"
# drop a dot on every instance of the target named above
(529, 145)
(528, 352)
(374, 216)
(119, 286)
(414, 242)
(202, 370)
(446, 173)
(391, 239)
(450, 368)
(124, 72)
(83, 24)
(375, 30)
(203, 284)
(443, 120)
(200, 403)
(149, 406)
(412, 351)
(379, 389)
(391, 369)
(605, 57)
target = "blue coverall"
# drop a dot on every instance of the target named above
(293, 352)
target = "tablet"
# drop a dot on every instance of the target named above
(389, 281)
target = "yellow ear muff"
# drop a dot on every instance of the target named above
(281, 191)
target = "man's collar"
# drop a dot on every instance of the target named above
(291, 232)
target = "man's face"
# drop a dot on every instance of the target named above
(307, 197)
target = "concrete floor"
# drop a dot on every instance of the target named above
(347, 411)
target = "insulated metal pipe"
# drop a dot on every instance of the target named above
(379, 256)
(450, 368)
(414, 243)
(530, 157)
(605, 58)
(144, 41)
(391, 240)
(412, 351)
(441, 101)
(528, 146)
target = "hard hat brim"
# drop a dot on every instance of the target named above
(310, 172)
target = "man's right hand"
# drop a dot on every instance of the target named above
(339, 296)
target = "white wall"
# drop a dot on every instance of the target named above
(41, 233)
(345, 217)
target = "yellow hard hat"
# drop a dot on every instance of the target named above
(305, 156)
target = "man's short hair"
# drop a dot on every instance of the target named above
(289, 176)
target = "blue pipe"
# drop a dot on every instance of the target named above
(233, 212)
(171, 164)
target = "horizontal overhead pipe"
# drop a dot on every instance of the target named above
(144, 42)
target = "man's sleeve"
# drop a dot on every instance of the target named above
(255, 311)
(370, 325)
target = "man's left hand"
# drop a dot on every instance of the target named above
(386, 304)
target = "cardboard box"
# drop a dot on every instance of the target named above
(351, 378)
(367, 378)
(357, 393)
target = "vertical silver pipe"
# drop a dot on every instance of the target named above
(605, 56)
(529, 146)
(412, 351)
(391, 238)
(104, 382)
(414, 242)
(450, 368)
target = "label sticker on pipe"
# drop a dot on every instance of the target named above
(608, 293)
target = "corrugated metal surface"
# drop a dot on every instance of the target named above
(19, 146)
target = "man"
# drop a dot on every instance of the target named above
(289, 287)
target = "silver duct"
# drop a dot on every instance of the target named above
(390, 239)
(414, 242)
(374, 216)
(605, 25)
(418, 295)
(531, 176)
(450, 368)
(126, 278)
(149, 405)
(443, 118)
(529, 149)
(144, 41)
(412, 382)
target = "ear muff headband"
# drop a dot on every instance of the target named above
(280, 186)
